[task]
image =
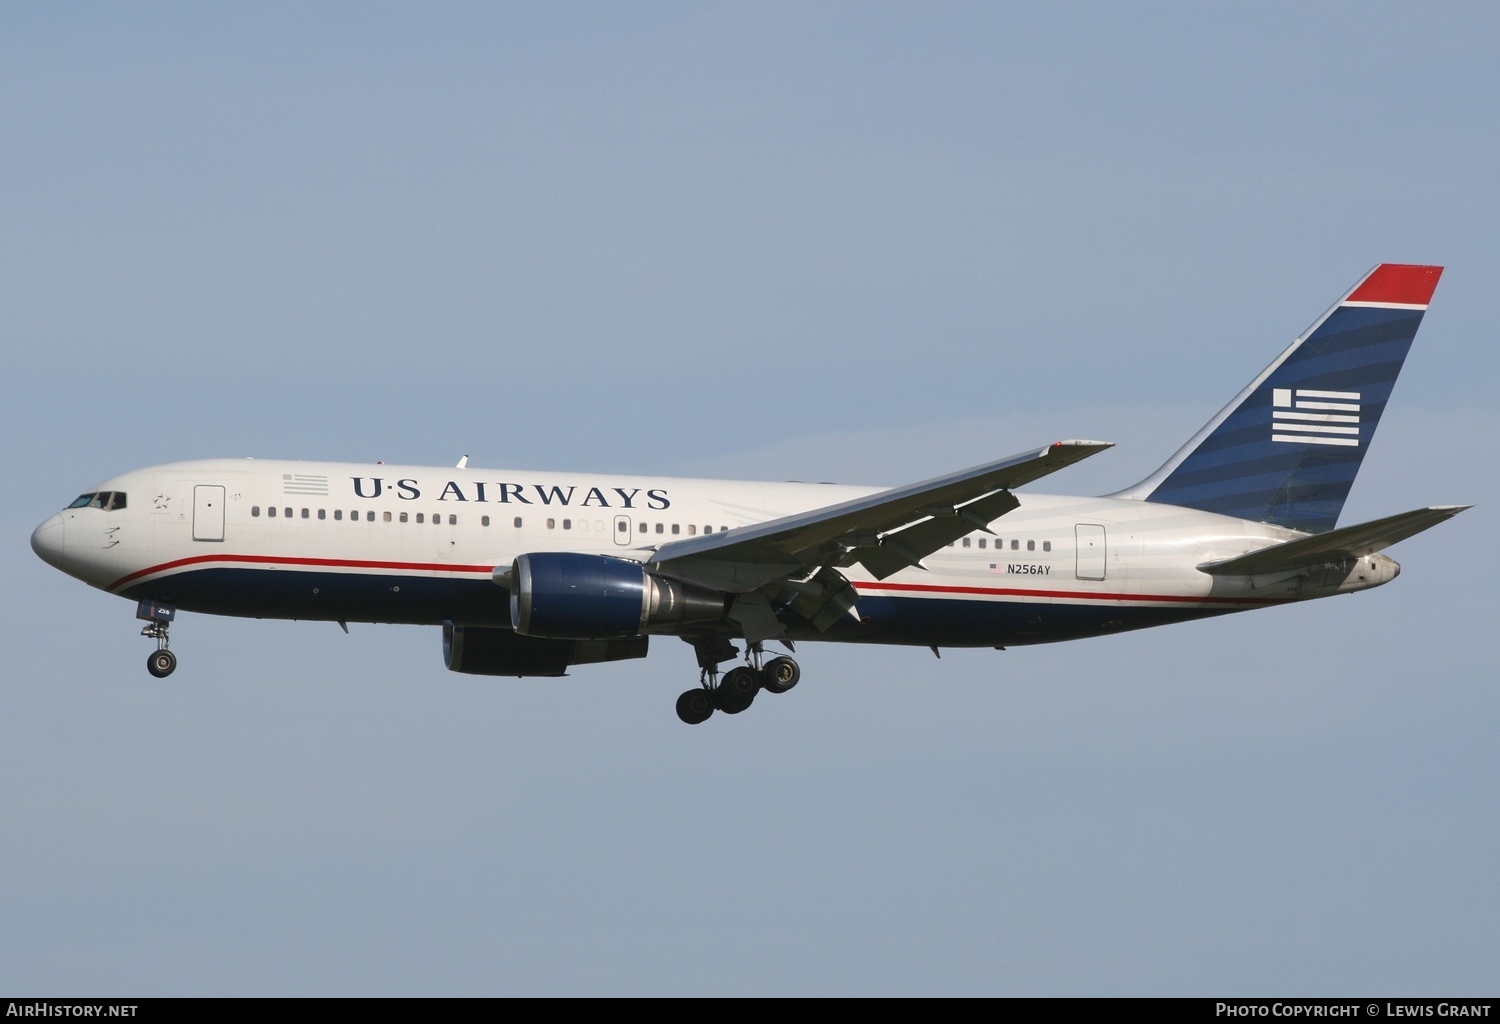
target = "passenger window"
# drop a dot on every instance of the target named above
(621, 526)
(484, 520)
(676, 529)
(1031, 545)
(981, 542)
(370, 516)
(692, 529)
(385, 517)
(338, 515)
(452, 519)
(661, 527)
(254, 510)
(287, 513)
(966, 542)
(271, 511)
(403, 517)
(518, 522)
(644, 527)
(567, 524)
(420, 519)
(1046, 545)
(552, 524)
(1015, 545)
(306, 513)
(322, 513)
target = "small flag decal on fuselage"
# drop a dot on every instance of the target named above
(303, 483)
(1315, 417)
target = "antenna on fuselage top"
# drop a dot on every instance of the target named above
(463, 462)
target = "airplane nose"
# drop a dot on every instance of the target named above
(47, 542)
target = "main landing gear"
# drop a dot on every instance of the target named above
(737, 690)
(158, 618)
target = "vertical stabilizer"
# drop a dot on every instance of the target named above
(1286, 450)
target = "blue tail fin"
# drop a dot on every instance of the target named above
(1286, 450)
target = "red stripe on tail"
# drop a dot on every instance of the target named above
(1398, 283)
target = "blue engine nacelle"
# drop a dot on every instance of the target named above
(566, 595)
(485, 651)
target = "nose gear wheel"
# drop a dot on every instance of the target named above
(161, 662)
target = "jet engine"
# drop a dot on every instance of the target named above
(484, 651)
(572, 596)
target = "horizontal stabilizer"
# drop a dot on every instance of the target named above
(1348, 542)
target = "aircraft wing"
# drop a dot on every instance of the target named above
(886, 531)
(1346, 542)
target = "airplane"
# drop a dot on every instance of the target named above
(530, 574)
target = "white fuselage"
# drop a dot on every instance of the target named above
(418, 544)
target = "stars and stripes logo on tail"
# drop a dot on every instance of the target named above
(1287, 448)
(1309, 416)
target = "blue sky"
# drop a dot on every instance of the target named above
(854, 242)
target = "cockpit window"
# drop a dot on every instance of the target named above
(100, 499)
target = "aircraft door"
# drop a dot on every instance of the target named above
(1091, 551)
(208, 512)
(622, 531)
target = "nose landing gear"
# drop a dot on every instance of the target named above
(158, 618)
(161, 663)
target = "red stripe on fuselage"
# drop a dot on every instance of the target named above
(863, 587)
(337, 563)
(1070, 595)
